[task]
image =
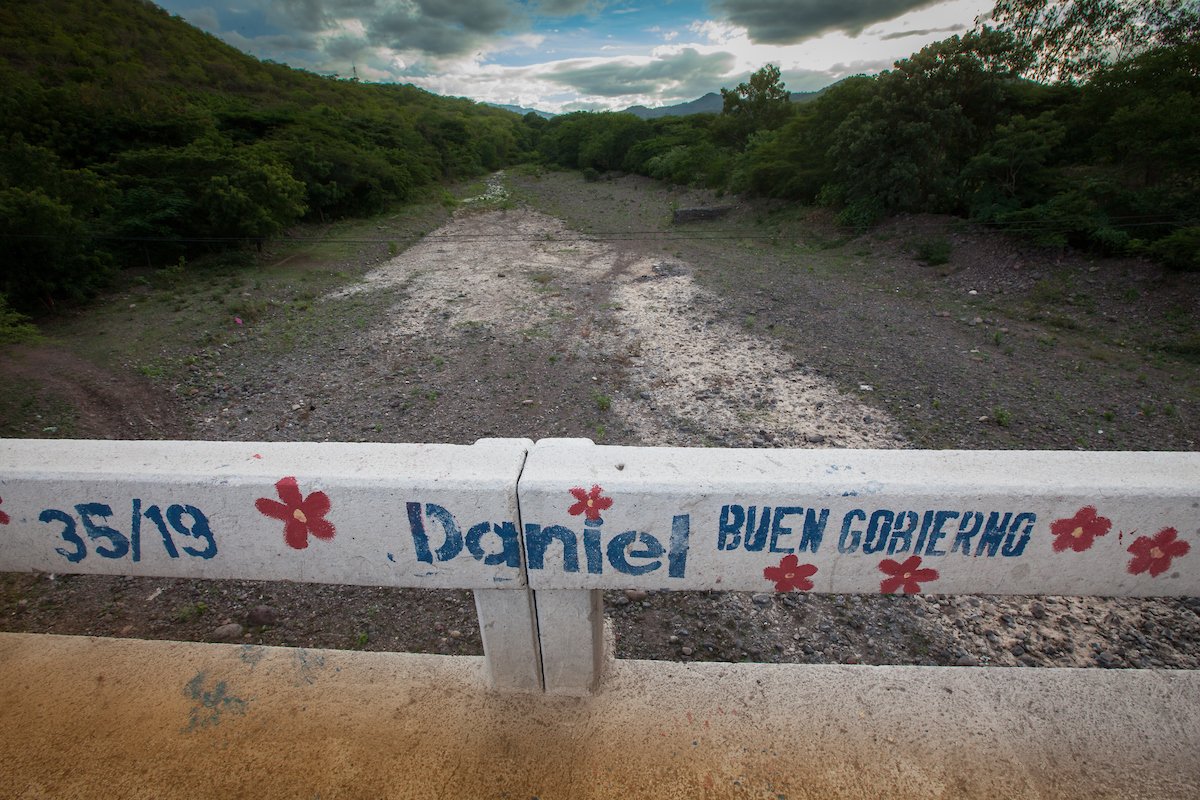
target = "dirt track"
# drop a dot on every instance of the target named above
(689, 376)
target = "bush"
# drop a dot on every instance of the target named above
(859, 215)
(1180, 250)
(14, 326)
(933, 250)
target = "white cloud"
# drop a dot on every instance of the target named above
(452, 46)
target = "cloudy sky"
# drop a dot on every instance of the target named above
(565, 55)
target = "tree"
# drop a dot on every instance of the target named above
(1069, 40)
(1011, 168)
(904, 147)
(793, 162)
(763, 103)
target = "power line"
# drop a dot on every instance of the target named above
(1013, 226)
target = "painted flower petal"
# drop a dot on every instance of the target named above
(289, 492)
(4, 519)
(321, 528)
(790, 574)
(316, 505)
(926, 574)
(272, 508)
(602, 503)
(889, 585)
(580, 494)
(1080, 531)
(295, 533)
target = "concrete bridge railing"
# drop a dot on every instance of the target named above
(537, 531)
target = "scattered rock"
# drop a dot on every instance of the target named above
(636, 595)
(967, 661)
(698, 214)
(230, 632)
(260, 616)
(685, 650)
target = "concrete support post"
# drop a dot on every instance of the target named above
(571, 626)
(508, 627)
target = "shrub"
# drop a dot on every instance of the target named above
(933, 250)
(15, 326)
(1180, 250)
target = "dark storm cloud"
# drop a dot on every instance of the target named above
(564, 8)
(790, 21)
(435, 27)
(923, 32)
(306, 15)
(440, 27)
(685, 73)
(348, 49)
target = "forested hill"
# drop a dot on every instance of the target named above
(984, 125)
(125, 131)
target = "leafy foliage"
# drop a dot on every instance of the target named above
(762, 103)
(126, 134)
(1111, 163)
(14, 326)
(1074, 39)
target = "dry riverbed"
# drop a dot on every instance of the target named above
(546, 306)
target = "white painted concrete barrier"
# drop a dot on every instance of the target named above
(434, 516)
(566, 518)
(850, 521)
(861, 521)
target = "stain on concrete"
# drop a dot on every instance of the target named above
(308, 666)
(251, 654)
(421, 726)
(212, 702)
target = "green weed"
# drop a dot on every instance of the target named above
(192, 612)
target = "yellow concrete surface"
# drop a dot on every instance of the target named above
(110, 718)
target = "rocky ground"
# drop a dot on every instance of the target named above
(549, 306)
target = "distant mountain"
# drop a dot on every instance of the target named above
(710, 103)
(522, 110)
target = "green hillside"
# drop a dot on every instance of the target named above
(127, 134)
(1108, 162)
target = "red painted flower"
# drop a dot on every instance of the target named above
(907, 576)
(1080, 531)
(4, 520)
(303, 515)
(791, 574)
(590, 503)
(1155, 554)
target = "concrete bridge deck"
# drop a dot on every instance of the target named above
(83, 717)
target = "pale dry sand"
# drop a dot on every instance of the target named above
(512, 270)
